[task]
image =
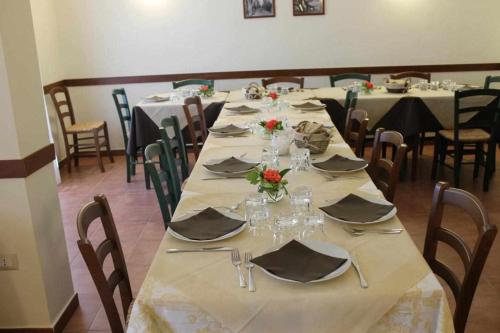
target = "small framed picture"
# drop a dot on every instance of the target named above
(259, 8)
(308, 7)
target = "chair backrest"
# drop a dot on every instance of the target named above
(65, 101)
(385, 172)
(160, 153)
(193, 119)
(475, 101)
(355, 130)
(193, 82)
(284, 79)
(351, 100)
(489, 80)
(349, 76)
(472, 259)
(95, 257)
(123, 109)
(411, 74)
(176, 142)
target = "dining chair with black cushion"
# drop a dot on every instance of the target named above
(491, 80)
(176, 143)
(384, 172)
(160, 155)
(193, 82)
(86, 136)
(473, 258)
(95, 257)
(123, 110)
(284, 79)
(196, 123)
(349, 76)
(355, 130)
(468, 137)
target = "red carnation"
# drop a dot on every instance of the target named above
(271, 124)
(272, 176)
(369, 85)
(273, 95)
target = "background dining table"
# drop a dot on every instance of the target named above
(199, 292)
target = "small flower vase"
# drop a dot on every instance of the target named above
(274, 196)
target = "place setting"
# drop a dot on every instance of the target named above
(308, 106)
(229, 130)
(158, 98)
(339, 167)
(230, 167)
(242, 109)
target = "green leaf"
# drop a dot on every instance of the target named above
(284, 172)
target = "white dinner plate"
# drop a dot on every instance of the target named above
(328, 249)
(244, 129)
(225, 173)
(381, 201)
(340, 172)
(228, 235)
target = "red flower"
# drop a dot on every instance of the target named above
(369, 85)
(272, 176)
(273, 95)
(204, 88)
(271, 124)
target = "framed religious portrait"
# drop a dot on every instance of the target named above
(259, 8)
(308, 7)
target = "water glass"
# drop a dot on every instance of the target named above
(270, 157)
(301, 200)
(434, 85)
(423, 85)
(300, 160)
(282, 104)
(446, 84)
(256, 212)
(285, 228)
(313, 226)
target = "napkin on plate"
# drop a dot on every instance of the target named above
(308, 105)
(295, 261)
(156, 99)
(228, 129)
(242, 108)
(206, 225)
(231, 164)
(353, 208)
(340, 163)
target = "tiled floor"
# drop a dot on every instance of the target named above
(140, 228)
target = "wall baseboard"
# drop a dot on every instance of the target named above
(114, 152)
(59, 325)
(28, 165)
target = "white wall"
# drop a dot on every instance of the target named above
(99, 38)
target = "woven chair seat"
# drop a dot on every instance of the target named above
(88, 126)
(467, 135)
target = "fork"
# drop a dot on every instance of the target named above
(360, 231)
(249, 265)
(236, 260)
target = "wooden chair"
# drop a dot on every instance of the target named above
(123, 110)
(473, 260)
(176, 143)
(489, 80)
(76, 129)
(196, 123)
(385, 172)
(349, 76)
(469, 137)
(284, 79)
(193, 82)
(167, 173)
(411, 74)
(95, 257)
(355, 130)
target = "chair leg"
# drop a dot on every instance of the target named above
(128, 161)
(422, 143)
(414, 162)
(457, 161)
(477, 160)
(77, 160)
(98, 150)
(489, 165)
(435, 157)
(68, 159)
(108, 146)
(147, 179)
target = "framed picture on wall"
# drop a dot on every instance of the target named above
(308, 7)
(259, 8)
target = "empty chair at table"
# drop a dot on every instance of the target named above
(162, 169)
(469, 136)
(383, 171)
(85, 135)
(193, 82)
(123, 110)
(176, 143)
(196, 124)
(355, 130)
(334, 79)
(284, 79)
(95, 256)
(473, 258)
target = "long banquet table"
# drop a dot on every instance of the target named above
(199, 292)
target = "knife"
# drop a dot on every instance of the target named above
(202, 249)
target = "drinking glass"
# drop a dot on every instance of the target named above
(256, 212)
(300, 160)
(301, 200)
(446, 84)
(423, 85)
(285, 228)
(282, 104)
(270, 157)
(313, 226)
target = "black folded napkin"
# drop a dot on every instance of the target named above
(242, 108)
(156, 99)
(231, 164)
(356, 209)
(308, 105)
(340, 163)
(295, 261)
(208, 224)
(227, 129)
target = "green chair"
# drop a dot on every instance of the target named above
(489, 80)
(166, 173)
(123, 109)
(470, 137)
(351, 100)
(193, 82)
(176, 143)
(349, 76)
